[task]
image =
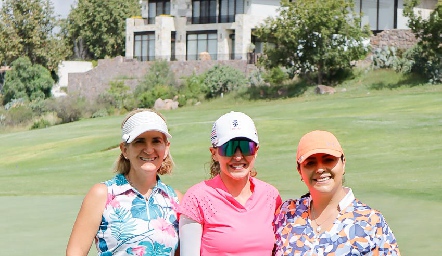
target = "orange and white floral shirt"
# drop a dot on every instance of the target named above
(358, 230)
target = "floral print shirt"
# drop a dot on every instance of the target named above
(358, 230)
(135, 225)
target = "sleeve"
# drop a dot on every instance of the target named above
(278, 224)
(386, 243)
(190, 205)
(190, 236)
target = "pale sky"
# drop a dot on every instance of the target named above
(61, 7)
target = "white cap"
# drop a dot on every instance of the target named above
(233, 125)
(142, 122)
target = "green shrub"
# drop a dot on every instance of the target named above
(193, 90)
(147, 99)
(275, 76)
(28, 81)
(69, 108)
(39, 124)
(18, 116)
(100, 113)
(383, 57)
(223, 79)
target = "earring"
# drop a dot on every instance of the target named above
(302, 179)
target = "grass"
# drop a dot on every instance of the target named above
(392, 139)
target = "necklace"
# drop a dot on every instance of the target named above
(318, 226)
(145, 195)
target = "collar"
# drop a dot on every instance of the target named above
(122, 185)
(346, 201)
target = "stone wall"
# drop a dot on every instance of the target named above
(399, 38)
(96, 81)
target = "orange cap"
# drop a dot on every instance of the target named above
(318, 142)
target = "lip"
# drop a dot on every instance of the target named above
(238, 166)
(147, 159)
(323, 179)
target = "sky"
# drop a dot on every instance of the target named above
(61, 7)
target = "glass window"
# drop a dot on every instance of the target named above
(144, 46)
(203, 11)
(202, 42)
(156, 8)
(378, 14)
(229, 8)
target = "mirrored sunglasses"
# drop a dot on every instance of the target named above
(228, 149)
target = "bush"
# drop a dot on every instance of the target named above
(69, 108)
(223, 79)
(42, 123)
(147, 99)
(275, 76)
(193, 90)
(100, 113)
(18, 116)
(28, 81)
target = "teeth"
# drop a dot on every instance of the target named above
(323, 179)
(238, 166)
(147, 159)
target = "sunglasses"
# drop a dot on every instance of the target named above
(228, 149)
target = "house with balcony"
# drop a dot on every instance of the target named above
(223, 29)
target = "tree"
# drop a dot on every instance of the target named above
(27, 30)
(428, 31)
(314, 36)
(27, 81)
(99, 26)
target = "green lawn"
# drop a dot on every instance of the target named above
(392, 140)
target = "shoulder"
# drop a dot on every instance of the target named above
(96, 196)
(294, 205)
(197, 188)
(262, 183)
(267, 187)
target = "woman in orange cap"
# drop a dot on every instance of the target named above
(328, 220)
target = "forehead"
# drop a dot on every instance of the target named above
(320, 155)
(151, 134)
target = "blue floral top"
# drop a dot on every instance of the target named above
(135, 225)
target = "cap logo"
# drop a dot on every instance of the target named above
(235, 124)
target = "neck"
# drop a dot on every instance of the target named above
(237, 188)
(142, 184)
(325, 201)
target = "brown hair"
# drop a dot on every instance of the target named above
(215, 169)
(122, 165)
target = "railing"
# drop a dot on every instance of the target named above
(203, 19)
(251, 58)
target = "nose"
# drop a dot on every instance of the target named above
(321, 167)
(148, 148)
(238, 154)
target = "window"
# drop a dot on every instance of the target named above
(203, 11)
(156, 8)
(202, 42)
(378, 14)
(144, 46)
(228, 9)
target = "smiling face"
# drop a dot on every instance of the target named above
(322, 173)
(146, 152)
(234, 167)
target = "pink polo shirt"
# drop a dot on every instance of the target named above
(230, 228)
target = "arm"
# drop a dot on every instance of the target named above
(179, 195)
(88, 221)
(190, 236)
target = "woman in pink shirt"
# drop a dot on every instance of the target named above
(231, 213)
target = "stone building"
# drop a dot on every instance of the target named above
(183, 29)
